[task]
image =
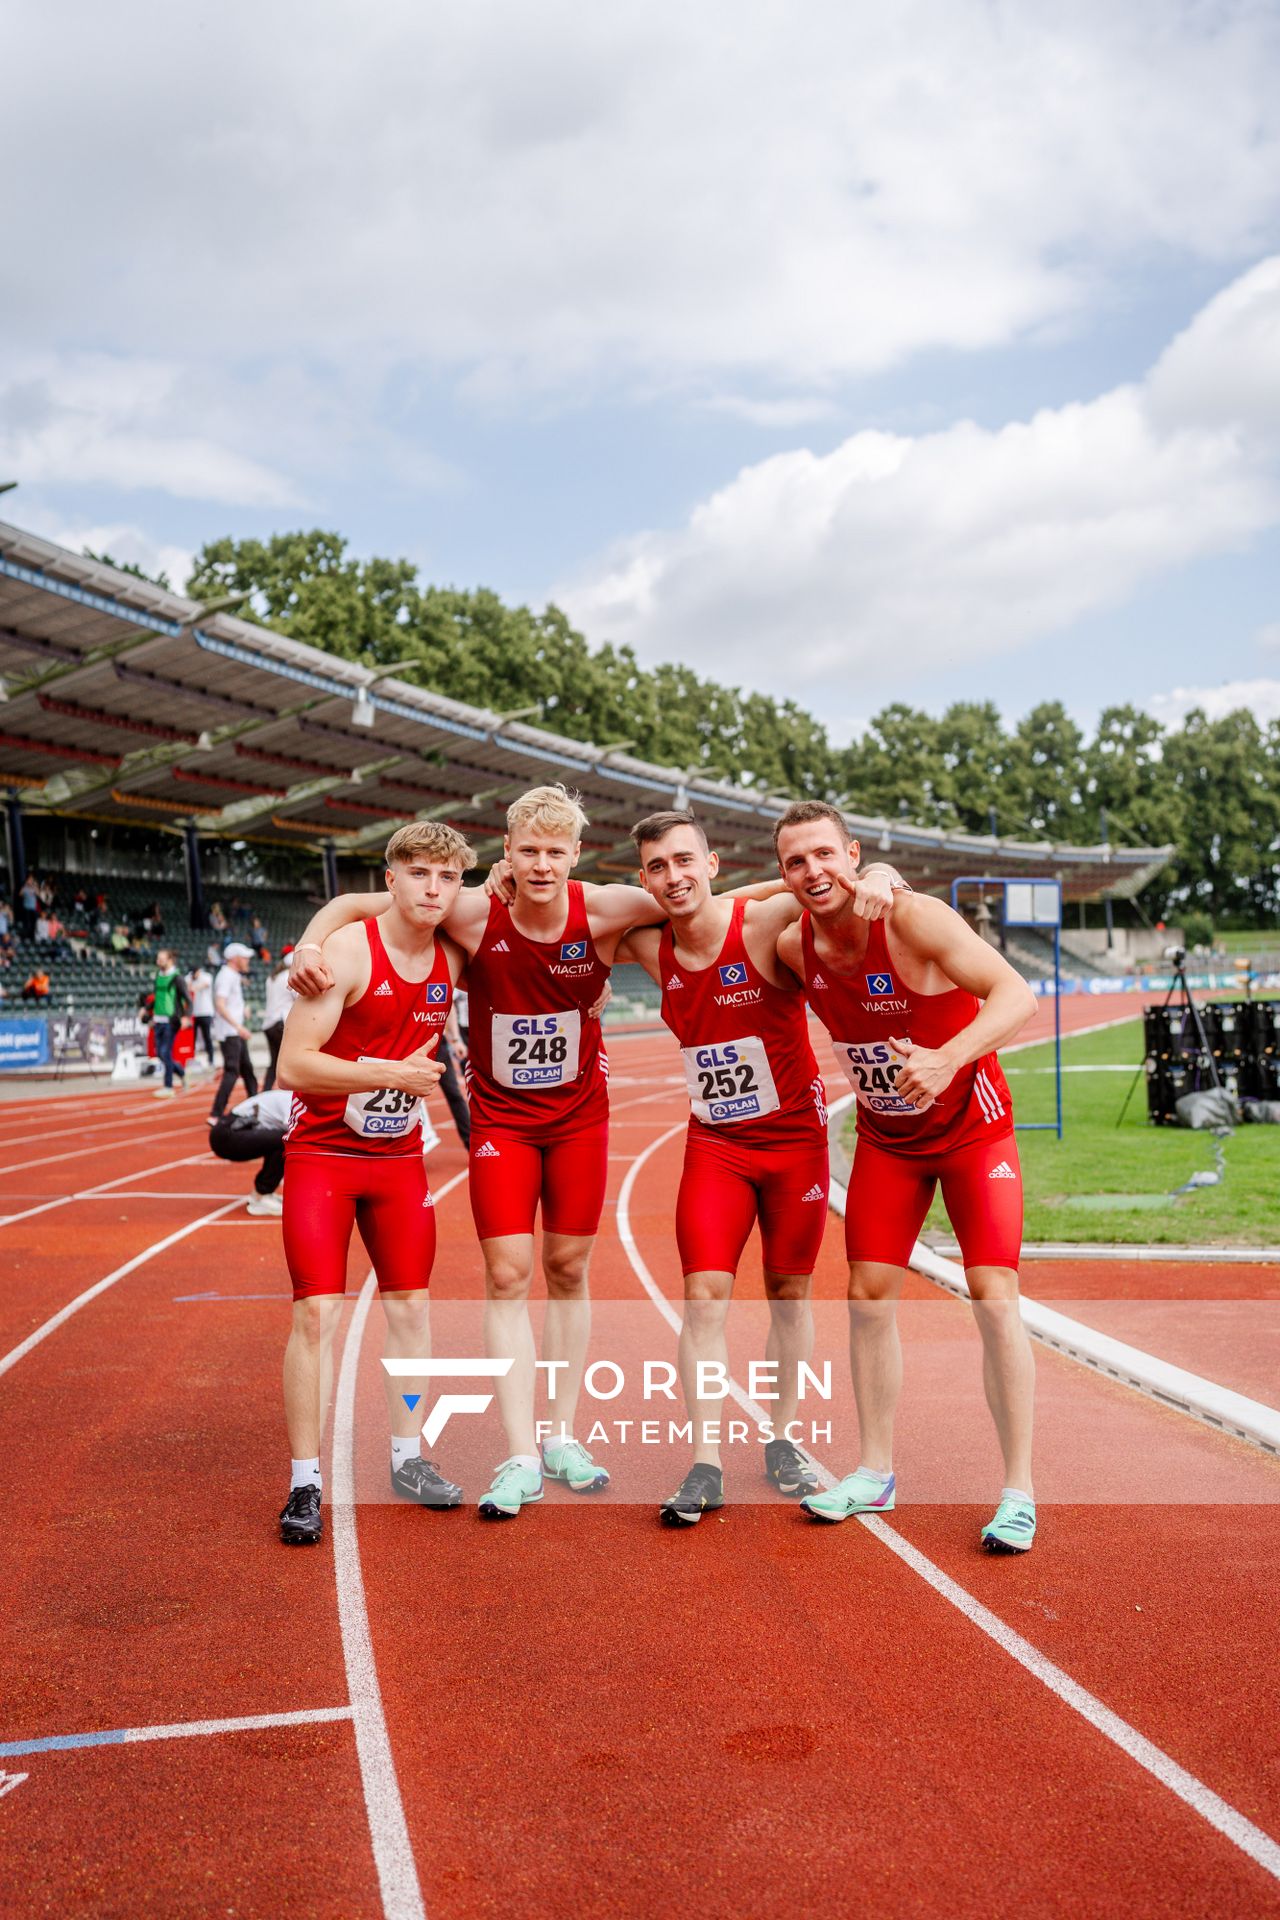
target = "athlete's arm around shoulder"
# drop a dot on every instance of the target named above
(310, 973)
(933, 932)
(304, 1065)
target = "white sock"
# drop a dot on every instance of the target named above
(306, 1473)
(556, 1439)
(529, 1460)
(869, 1473)
(1016, 1493)
(403, 1451)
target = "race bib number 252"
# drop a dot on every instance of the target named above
(729, 1081)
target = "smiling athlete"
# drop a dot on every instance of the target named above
(916, 1007)
(359, 1061)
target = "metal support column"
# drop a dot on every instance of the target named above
(197, 912)
(17, 849)
(330, 858)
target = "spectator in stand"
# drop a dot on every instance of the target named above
(55, 934)
(80, 904)
(6, 949)
(100, 903)
(102, 927)
(169, 1001)
(255, 1131)
(276, 1012)
(28, 907)
(6, 918)
(213, 955)
(155, 916)
(43, 935)
(239, 912)
(48, 892)
(259, 935)
(217, 918)
(120, 939)
(37, 987)
(200, 987)
(229, 1028)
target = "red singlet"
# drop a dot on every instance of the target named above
(864, 1014)
(356, 1159)
(391, 1019)
(744, 1044)
(757, 1143)
(537, 1063)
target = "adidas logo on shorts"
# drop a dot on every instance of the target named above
(674, 982)
(487, 1152)
(499, 946)
(1003, 1172)
(814, 1193)
(384, 987)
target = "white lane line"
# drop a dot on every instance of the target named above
(103, 1190)
(1219, 1814)
(388, 1829)
(1121, 1252)
(180, 1730)
(81, 1133)
(78, 1153)
(58, 1319)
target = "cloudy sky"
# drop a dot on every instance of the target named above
(848, 351)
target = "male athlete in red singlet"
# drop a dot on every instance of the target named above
(916, 1007)
(359, 1061)
(757, 1141)
(538, 1082)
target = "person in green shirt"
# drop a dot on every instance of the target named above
(169, 1001)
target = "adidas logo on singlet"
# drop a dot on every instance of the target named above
(383, 987)
(499, 946)
(815, 1193)
(1003, 1172)
(818, 981)
(487, 1152)
(674, 982)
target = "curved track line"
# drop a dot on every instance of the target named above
(388, 1829)
(103, 1189)
(1251, 1840)
(78, 1153)
(51, 1325)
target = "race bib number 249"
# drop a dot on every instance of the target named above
(873, 1067)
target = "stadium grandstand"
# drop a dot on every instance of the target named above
(181, 760)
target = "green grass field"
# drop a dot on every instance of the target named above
(1103, 1183)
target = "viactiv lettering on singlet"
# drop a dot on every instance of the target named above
(744, 1043)
(537, 1058)
(866, 1012)
(392, 1018)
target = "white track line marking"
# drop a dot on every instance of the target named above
(388, 1830)
(78, 1153)
(103, 1190)
(180, 1730)
(1219, 1814)
(91, 1293)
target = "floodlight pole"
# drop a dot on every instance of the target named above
(1002, 881)
(17, 844)
(197, 912)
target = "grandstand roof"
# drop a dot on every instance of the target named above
(127, 702)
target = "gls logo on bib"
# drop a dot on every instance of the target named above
(734, 975)
(880, 985)
(574, 950)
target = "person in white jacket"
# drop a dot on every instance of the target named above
(276, 1012)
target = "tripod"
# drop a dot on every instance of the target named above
(1179, 958)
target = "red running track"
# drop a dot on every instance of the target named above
(585, 1714)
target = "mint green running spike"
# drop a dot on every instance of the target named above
(1012, 1529)
(568, 1460)
(856, 1493)
(513, 1487)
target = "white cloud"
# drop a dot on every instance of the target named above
(122, 423)
(894, 553)
(1261, 698)
(1268, 637)
(675, 193)
(796, 410)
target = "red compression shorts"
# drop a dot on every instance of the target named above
(890, 1194)
(511, 1175)
(726, 1187)
(386, 1196)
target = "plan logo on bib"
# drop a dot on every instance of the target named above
(880, 985)
(574, 950)
(734, 975)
